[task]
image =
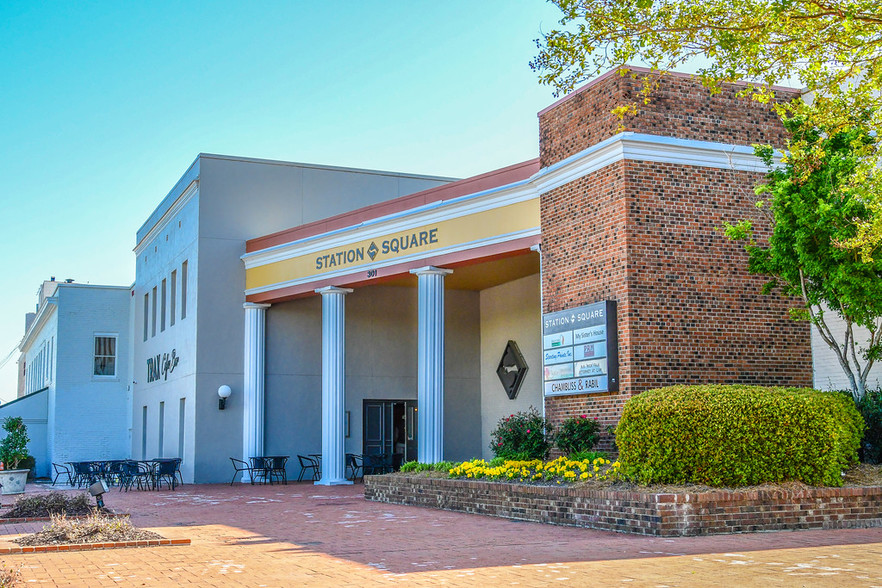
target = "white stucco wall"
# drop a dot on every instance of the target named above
(88, 413)
(174, 242)
(510, 311)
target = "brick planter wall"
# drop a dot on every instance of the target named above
(665, 515)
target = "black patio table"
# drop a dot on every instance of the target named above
(269, 466)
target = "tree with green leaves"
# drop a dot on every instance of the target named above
(812, 210)
(833, 48)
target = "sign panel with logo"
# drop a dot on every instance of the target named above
(580, 350)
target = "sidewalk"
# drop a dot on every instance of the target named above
(302, 534)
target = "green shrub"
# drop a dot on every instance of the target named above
(587, 456)
(577, 434)
(415, 467)
(523, 435)
(870, 407)
(738, 435)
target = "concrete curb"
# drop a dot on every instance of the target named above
(92, 546)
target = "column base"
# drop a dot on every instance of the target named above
(340, 482)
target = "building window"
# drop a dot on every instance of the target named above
(105, 356)
(153, 315)
(146, 313)
(144, 433)
(183, 290)
(162, 307)
(182, 411)
(174, 297)
(161, 428)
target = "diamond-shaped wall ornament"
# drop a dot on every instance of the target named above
(512, 369)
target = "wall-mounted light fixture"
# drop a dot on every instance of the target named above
(223, 393)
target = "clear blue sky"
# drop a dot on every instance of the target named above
(105, 104)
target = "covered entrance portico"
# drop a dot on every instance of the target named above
(436, 249)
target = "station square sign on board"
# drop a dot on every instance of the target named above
(580, 350)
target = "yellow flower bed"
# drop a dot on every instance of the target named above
(560, 470)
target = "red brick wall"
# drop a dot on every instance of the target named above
(680, 107)
(647, 235)
(644, 513)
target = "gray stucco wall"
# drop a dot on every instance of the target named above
(381, 363)
(509, 311)
(239, 200)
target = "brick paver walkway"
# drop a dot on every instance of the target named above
(302, 534)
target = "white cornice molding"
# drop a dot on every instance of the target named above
(47, 308)
(629, 145)
(163, 221)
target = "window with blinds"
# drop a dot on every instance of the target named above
(105, 356)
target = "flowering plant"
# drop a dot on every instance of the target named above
(558, 471)
(524, 434)
(577, 434)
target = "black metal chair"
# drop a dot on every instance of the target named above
(260, 469)
(375, 464)
(355, 466)
(166, 470)
(178, 462)
(308, 464)
(113, 472)
(240, 466)
(62, 470)
(276, 468)
(85, 473)
(133, 473)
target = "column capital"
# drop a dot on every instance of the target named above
(255, 306)
(334, 290)
(431, 270)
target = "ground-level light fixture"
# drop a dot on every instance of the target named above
(223, 393)
(97, 490)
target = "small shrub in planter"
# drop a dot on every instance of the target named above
(738, 435)
(524, 435)
(577, 434)
(14, 447)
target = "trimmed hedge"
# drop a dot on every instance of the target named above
(738, 435)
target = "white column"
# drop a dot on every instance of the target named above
(253, 390)
(333, 387)
(430, 364)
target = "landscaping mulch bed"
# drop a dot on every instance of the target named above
(96, 528)
(41, 506)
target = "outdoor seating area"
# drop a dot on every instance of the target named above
(122, 473)
(262, 469)
(269, 469)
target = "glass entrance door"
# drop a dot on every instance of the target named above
(390, 428)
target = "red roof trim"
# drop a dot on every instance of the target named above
(479, 183)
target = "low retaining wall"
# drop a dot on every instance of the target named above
(666, 515)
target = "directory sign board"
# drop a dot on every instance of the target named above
(580, 350)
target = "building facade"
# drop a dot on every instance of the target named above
(357, 311)
(74, 372)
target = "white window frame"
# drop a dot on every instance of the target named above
(115, 337)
